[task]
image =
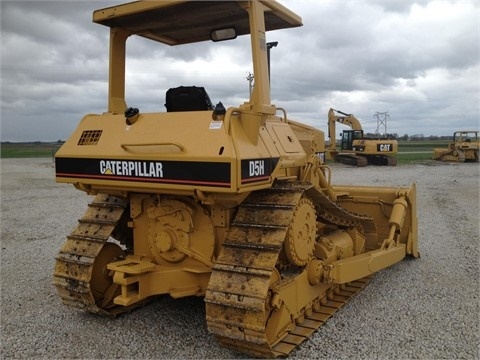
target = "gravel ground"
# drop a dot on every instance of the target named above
(426, 308)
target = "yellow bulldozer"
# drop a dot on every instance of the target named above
(356, 149)
(231, 204)
(463, 148)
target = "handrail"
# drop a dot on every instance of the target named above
(284, 113)
(228, 116)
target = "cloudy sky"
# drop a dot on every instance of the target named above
(419, 61)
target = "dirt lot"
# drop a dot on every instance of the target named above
(424, 309)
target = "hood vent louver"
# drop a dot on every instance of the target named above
(90, 137)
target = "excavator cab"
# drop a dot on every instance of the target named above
(348, 136)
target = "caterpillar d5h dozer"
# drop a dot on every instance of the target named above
(357, 149)
(234, 204)
(463, 148)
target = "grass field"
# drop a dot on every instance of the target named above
(414, 151)
(28, 150)
(409, 151)
(409, 146)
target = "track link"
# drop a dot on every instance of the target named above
(74, 267)
(352, 159)
(237, 297)
(391, 161)
(302, 332)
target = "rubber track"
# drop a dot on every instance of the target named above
(74, 263)
(238, 289)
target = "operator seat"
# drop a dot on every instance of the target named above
(187, 98)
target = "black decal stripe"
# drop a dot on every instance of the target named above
(172, 172)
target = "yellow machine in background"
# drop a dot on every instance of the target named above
(463, 148)
(234, 205)
(356, 149)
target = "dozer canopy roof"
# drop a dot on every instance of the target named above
(176, 22)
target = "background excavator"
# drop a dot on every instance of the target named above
(356, 149)
(231, 204)
(463, 148)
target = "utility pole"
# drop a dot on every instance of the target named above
(250, 75)
(250, 83)
(381, 121)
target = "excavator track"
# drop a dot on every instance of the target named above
(79, 276)
(238, 297)
(383, 160)
(391, 161)
(351, 159)
(362, 161)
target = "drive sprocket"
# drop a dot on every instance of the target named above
(300, 240)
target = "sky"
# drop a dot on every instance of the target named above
(416, 61)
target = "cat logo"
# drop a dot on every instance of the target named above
(384, 147)
(108, 171)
